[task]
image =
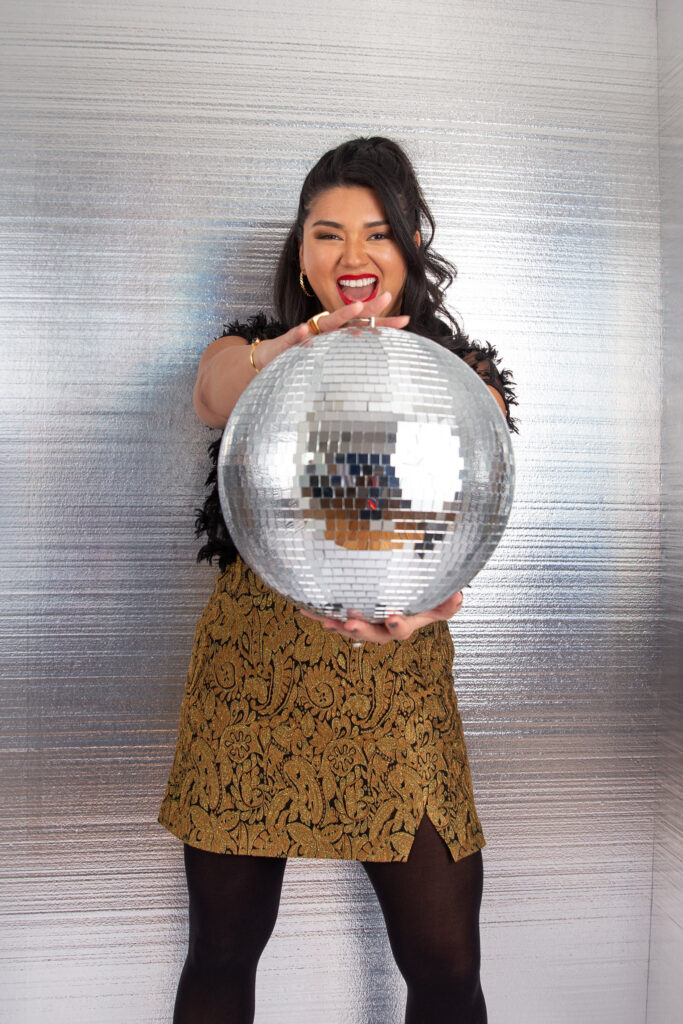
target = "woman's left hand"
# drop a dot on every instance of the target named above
(396, 627)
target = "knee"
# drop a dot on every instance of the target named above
(225, 939)
(228, 950)
(233, 908)
(450, 974)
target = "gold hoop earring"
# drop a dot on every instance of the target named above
(303, 286)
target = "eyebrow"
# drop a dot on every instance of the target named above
(334, 224)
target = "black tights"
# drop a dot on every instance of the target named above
(431, 909)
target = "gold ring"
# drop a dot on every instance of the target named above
(313, 322)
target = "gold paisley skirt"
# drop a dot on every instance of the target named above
(294, 743)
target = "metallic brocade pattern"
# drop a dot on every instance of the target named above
(369, 474)
(292, 743)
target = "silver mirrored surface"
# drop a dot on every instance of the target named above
(369, 474)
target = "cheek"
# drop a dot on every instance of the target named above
(317, 261)
(400, 269)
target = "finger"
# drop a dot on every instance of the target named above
(378, 305)
(375, 633)
(360, 631)
(340, 317)
(392, 321)
(352, 629)
(398, 624)
(395, 627)
(310, 615)
(447, 608)
(327, 324)
(375, 307)
(337, 319)
(297, 336)
(335, 624)
(332, 321)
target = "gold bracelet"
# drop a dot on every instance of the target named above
(255, 342)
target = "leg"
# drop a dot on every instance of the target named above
(234, 902)
(431, 908)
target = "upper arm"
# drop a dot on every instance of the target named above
(228, 341)
(210, 352)
(498, 383)
(499, 398)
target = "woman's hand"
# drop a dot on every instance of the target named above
(225, 368)
(303, 336)
(396, 627)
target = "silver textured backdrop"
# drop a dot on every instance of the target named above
(150, 160)
(665, 985)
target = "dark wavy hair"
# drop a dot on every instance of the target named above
(381, 165)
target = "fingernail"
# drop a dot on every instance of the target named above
(393, 625)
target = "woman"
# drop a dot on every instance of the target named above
(304, 736)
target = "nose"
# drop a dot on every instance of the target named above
(354, 252)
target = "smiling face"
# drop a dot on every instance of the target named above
(348, 251)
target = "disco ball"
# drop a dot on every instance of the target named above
(371, 473)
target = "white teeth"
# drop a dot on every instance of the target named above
(361, 282)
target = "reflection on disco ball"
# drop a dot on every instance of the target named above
(371, 472)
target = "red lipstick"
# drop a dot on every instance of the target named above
(355, 293)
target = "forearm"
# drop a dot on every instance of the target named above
(225, 369)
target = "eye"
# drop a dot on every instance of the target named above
(380, 235)
(326, 235)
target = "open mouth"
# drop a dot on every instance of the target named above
(357, 287)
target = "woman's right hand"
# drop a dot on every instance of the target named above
(302, 336)
(226, 368)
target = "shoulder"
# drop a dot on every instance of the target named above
(257, 326)
(225, 341)
(484, 359)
